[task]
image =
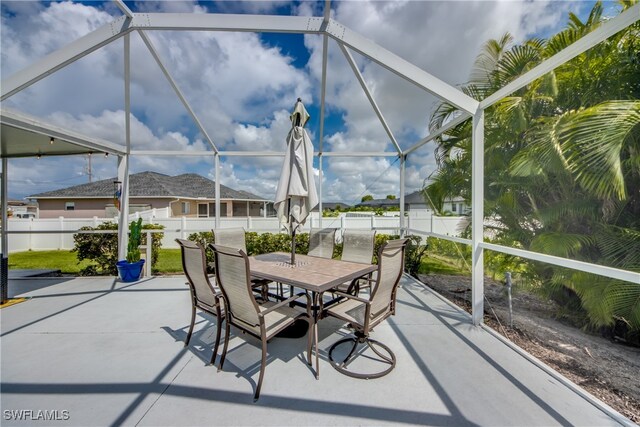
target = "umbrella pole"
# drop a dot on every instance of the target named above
(293, 249)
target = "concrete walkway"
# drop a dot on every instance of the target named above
(112, 354)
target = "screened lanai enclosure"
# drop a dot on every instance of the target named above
(131, 33)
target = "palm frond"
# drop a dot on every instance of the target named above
(560, 243)
(592, 141)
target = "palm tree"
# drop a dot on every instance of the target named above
(562, 160)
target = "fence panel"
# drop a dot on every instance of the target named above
(183, 227)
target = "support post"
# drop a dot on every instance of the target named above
(123, 217)
(148, 253)
(403, 161)
(477, 218)
(320, 192)
(217, 183)
(123, 161)
(4, 260)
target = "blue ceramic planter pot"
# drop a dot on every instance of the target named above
(129, 272)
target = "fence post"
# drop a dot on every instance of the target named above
(148, 255)
(61, 221)
(30, 243)
(431, 224)
(342, 224)
(183, 227)
(249, 223)
(373, 222)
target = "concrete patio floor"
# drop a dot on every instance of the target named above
(112, 354)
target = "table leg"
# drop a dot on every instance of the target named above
(316, 306)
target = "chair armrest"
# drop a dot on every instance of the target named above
(342, 294)
(282, 303)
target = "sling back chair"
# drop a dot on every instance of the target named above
(236, 238)
(363, 314)
(242, 310)
(357, 246)
(203, 294)
(322, 242)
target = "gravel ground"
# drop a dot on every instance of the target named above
(605, 368)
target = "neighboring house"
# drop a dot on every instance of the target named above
(414, 203)
(332, 206)
(22, 209)
(411, 201)
(189, 195)
(456, 206)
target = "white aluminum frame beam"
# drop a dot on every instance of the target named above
(374, 105)
(123, 218)
(124, 8)
(22, 121)
(403, 161)
(477, 218)
(227, 22)
(323, 84)
(401, 67)
(123, 161)
(176, 89)
(600, 270)
(177, 153)
(216, 165)
(64, 56)
(4, 237)
(358, 154)
(604, 31)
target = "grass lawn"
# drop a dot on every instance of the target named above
(169, 261)
(431, 265)
(65, 261)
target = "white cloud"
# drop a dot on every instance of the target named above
(242, 90)
(441, 37)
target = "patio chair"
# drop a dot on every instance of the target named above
(203, 294)
(363, 314)
(236, 238)
(321, 243)
(242, 310)
(357, 246)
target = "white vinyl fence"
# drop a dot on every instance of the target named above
(43, 234)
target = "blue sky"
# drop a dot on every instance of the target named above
(242, 86)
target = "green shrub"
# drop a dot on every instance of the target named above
(103, 248)
(203, 239)
(413, 255)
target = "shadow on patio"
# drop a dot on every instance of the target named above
(112, 354)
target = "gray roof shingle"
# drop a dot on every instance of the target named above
(152, 184)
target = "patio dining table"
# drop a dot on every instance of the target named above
(313, 274)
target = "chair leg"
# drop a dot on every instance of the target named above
(219, 321)
(345, 362)
(263, 365)
(309, 341)
(226, 345)
(193, 321)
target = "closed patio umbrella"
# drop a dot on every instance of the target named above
(296, 195)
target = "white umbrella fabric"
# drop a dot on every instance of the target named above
(296, 195)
